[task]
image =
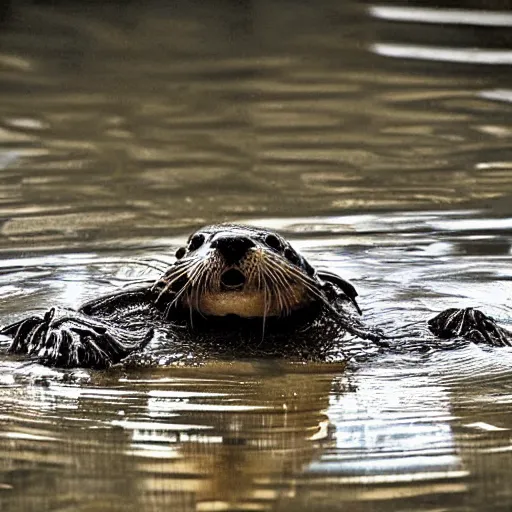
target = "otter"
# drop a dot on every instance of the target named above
(233, 291)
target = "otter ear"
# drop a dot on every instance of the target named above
(346, 287)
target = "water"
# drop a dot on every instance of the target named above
(376, 137)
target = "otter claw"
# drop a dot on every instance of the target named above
(67, 338)
(471, 324)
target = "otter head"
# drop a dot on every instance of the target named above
(239, 270)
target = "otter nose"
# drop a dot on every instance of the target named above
(232, 248)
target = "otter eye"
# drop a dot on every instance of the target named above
(180, 253)
(273, 242)
(195, 242)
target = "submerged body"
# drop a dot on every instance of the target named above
(234, 291)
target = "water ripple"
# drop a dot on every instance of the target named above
(117, 140)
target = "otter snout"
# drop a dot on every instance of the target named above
(237, 270)
(232, 248)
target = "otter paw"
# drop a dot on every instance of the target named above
(67, 339)
(470, 324)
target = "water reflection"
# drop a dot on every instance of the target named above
(432, 53)
(220, 121)
(382, 438)
(412, 430)
(442, 16)
(261, 426)
(376, 136)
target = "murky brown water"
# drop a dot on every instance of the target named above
(377, 138)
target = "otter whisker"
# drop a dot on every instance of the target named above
(292, 273)
(200, 287)
(283, 304)
(289, 299)
(183, 288)
(169, 284)
(308, 283)
(180, 265)
(256, 269)
(350, 327)
(174, 273)
(264, 320)
(275, 292)
(286, 284)
(195, 285)
(192, 291)
(193, 296)
(304, 279)
(204, 287)
(266, 307)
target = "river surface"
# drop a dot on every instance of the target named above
(376, 137)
